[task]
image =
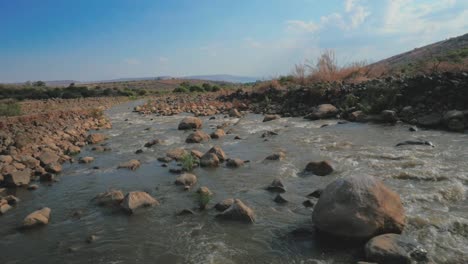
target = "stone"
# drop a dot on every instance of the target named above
(18, 178)
(308, 203)
(389, 116)
(358, 207)
(209, 160)
(394, 249)
(268, 118)
(86, 160)
(109, 198)
(186, 179)
(29, 161)
(33, 187)
(357, 116)
(413, 129)
(319, 168)
(11, 199)
(90, 239)
(234, 163)
(4, 206)
(48, 157)
(177, 153)
(234, 113)
(96, 138)
(269, 134)
(37, 218)
(218, 133)
(276, 156)
(54, 167)
(195, 153)
(137, 199)
(238, 211)
(6, 159)
(190, 123)
(322, 111)
(223, 205)
(280, 199)
(218, 152)
(276, 186)
(186, 212)
(47, 177)
(315, 194)
(197, 137)
(152, 143)
(131, 165)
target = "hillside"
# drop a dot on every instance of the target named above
(446, 55)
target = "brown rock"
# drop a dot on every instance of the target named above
(197, 137)
(320, 168)
(37, 218)
(395, 249)
(6, 159)
(48, 157)
(218, 152)
(190, 123)
(177, 153)
(195, 153)
(223, 205)
(18, 178)
(238, 211)
(54, 168)
(276, 156)
(109, 198)
(86, 160)
(219, 133)
(209, 160)
(186, 179)
(270, 118)
(358, 207)
(234, 163)
(234, 113)
(137, 199)
(131, 165)
(96, 138)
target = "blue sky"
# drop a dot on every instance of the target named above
(105, 39)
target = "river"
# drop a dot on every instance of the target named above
(431, 181)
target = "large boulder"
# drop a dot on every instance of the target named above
(323, 111)
(395, 249)
(224, 204)
(319, 168)
(18, 178)
(186, 179)
(238, 211)
(109, 198)
(37, 218)
(219, 133)
(131, 165)
(177, 153)
(358, 207)
(137, 199)
(96, 138)
(234, 163)
(197, 137)
(190, 123)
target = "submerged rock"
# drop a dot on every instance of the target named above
(280, 199)
(394, 249)
(109, 198)
(276, 186)
(238, 211)
(37, 218)
(190, 123)
(153, 142)
(358, 207)
(234, 163)
(270, 118)
(131, 165)
(320, 168)
(276, 156)
(137, 199)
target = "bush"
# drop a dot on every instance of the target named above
(215, 89)
(207, 87)
(188, 162)
(10, 108)
(181, 89)
(196, 88)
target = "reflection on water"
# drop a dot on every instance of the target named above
(431, 181)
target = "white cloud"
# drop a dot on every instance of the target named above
(299, 25)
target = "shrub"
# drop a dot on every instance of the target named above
(10, 108)
(181, 89)
(188, 162)
(196, 88)
(207, 87)
(215, 88)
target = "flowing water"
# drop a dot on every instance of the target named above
(431, 181)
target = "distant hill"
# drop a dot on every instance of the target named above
(223, 78)
(446, 55)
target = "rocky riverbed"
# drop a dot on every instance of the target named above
(288, 190)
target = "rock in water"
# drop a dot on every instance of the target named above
(131, 165)
(37, 218)
(320, 168)
(270, 118)
(234, 163)
(190, 123)
(394, 249)
(276, 186)
(197, 137)
(219, 133)
(238, 211)
(137, 199)
(280, 199)
(86, 160)
(218, 152)
(234, 113)
(186, 179)
(209, 160)
(358, 207)
(323, 111)
(18, 178)
(223, 205)
(109, 198)
(96, 138)
(276, 156)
